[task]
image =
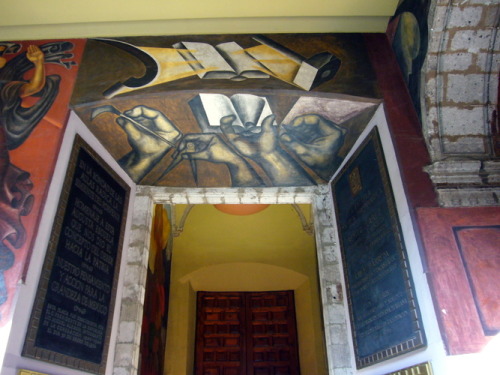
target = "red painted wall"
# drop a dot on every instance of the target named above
(462, 247)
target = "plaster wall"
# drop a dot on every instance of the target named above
(220, 252)
(96, 18)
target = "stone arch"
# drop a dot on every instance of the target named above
(460, 80)
(243, 277)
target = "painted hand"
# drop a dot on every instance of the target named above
(252, 145)
(35, 54)
(150, 134)
(148, 130)
(37, 81)
(210, 147)
(315, 140)
(263, 148)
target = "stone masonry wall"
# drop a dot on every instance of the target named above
(461, 95)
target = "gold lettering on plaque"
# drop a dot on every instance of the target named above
(355, 181)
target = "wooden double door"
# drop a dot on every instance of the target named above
(246, 333)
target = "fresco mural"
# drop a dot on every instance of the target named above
(238, 110)
(33, 76)
(408, 33)
(155, 316)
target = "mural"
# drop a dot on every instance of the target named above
(239, 110)
(32, 77)
(408, 33)
(226, 60)
(257, 154)
(155, 316)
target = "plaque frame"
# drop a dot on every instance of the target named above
(29, 372)
(31, 349)
(420, 369)
(417, 339)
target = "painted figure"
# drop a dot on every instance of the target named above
(15, 184)
(408, 33)
(263, 148)
(150, 134)
(313, 139)
(15, 201)
(17, 121)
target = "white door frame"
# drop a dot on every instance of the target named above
(337, 339)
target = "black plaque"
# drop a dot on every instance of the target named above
(71, 318)
(384, 314)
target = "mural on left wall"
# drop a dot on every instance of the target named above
(36, 81)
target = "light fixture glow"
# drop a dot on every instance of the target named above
(241, 209)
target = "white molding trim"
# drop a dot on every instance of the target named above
(126, 361)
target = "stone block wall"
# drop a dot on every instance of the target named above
(460, 99)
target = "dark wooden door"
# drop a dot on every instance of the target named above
(220, 345)
(246, 333)
(271, 334)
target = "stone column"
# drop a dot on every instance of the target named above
(461, 88)
(127, 349)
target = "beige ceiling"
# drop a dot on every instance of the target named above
(56, 19)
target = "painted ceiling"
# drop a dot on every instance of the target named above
(227, 110)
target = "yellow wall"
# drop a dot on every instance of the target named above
(264, 251)
(56, 11)
(35, 19)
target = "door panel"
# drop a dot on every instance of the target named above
(246, 333)
(272, 330)
(219, 336)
